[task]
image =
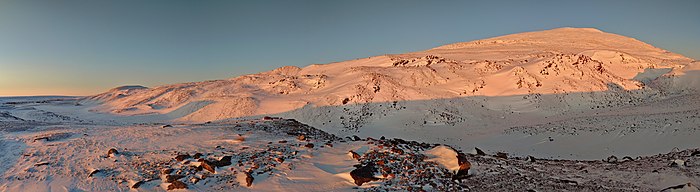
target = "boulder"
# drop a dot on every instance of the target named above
(364, 174)
(354, 155)
(611, 159)
(479, 151)
(208, 165)
(224, 161)
(182, 157)
(531, 159)
(682, 187)
(177, 185)
(112, 152)
(501, 155)
(248, 179)
(172, 178)
(309, 145)
(464, 166)
(137, 184)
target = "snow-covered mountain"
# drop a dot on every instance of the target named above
(558, 61)
(470, 88)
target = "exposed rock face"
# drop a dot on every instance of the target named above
(363, 174)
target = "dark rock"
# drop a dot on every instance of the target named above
(531, 159)
(684, 187)
(197, 155)
(224, 161)
(501, 155)
(355, 155)
(93, 172)
(182, 157)
(356, 138)
(282, 141)
(166, 171)
(611, 159)
(364, 174)
(479, 151)
(695, 153)
(41, 164)
(309, 145)
(248, 179)
(464, 167)
(627, 158)
(172, 178)
(166, 126)
(112, 152)
(209, 166)
(177, 185)
(137, 184)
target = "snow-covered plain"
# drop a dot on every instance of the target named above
(575, 94)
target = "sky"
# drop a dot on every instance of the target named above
(83, 47)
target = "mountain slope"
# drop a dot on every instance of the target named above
(464, 90)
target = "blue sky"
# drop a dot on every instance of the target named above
(61, 47)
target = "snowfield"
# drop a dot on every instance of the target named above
(572, 109)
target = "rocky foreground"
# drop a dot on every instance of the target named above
(282, 154)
